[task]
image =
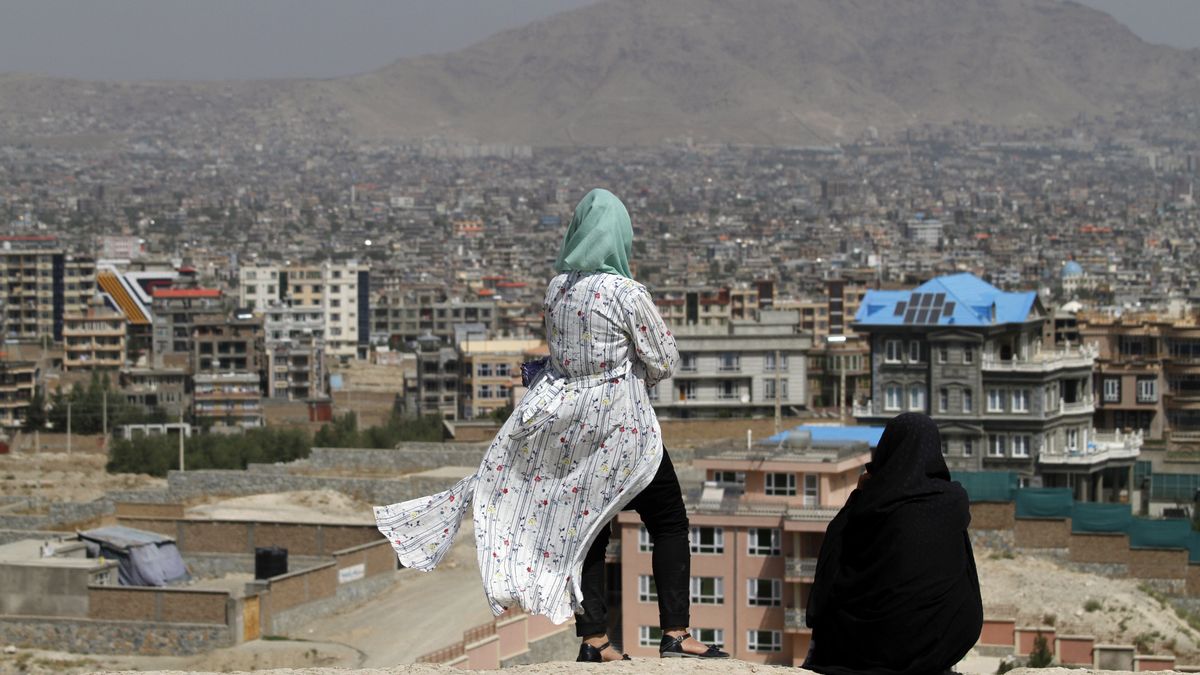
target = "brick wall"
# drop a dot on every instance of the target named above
(1193, 580)
(298, 588)
(1158, 563)
(1041, 533)
(998, 632)
(230, 536)
(146, 510)
(87, 636)
(1096, 547)
(165, 605)
(992, 515)
(376, 558)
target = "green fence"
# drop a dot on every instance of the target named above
(1044, 502)
(1087, 517)
(988, 486)
(1176, 487)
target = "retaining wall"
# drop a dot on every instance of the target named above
(1158, 563)
(1042, 533)
(236, 536)
(992, 515)
(1100, 547)
(86, 636)
(166, 605)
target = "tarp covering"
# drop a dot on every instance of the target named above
(1044, 502)
(1194, 547)
(988, 486)
(1088, 517)
(144, 558)
(1173, 533)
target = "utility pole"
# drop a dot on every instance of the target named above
(68, 427)
(778, 392)
(181, 467)
(842, 389)
(104, 414)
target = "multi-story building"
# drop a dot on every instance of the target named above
(712, 307)
(401, 317)
(740, 367)
(341, 291)
(16, 391)
(151, 389)
(839, 369)
(41, 284)
(295, 349)
(971, 356)
(1147, 374)
(227, 368)
(491, 371)
(756, 529)
(174, 313)
(94, 340)
(437, 377)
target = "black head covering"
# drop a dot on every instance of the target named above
(896, 591)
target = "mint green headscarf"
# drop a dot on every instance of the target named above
(600, 238)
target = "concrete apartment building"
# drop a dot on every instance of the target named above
(682, 306)
(174, 314)
(839, 370)
(16, 391)
(1147, 374)
(41, 284)
(341, 291)
(401, 317)
(740, 366)
(94, 340)
(227, 370)
(157, 388)
(971, 356)
(491, 372)
(295, 351)
(756, 530)
(438, 377)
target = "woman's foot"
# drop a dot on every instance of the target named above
(598, 649)
(679, 643)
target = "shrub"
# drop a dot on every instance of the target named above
(1040, 657)
(1091, 605)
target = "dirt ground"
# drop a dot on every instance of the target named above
(313, 506)
(58, 476)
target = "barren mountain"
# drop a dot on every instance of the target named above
(754, 71)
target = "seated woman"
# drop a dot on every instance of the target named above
(896, 591)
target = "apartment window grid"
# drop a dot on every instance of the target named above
(996, 445)
(968, 355)
(764, 592)
(687, 391)
(707, 590)
(710, 636)
(764, 640)
(943, 400)
(649, 636)
(892, 395)
(914, 351)
(916, 397)
(968, 401)
(1020, 445)
(968, 447)
(1020, 400)
(727, 390)
(652, 392)
(892, 353)
(769, 388)
(1147, 390)
(645, 543)
(647, 589)
(769, 362)
(729, 362)
(995, 400)
(812, 489)
(1112, 390)
(735, 479)
(763, 541)
(1072, 440)
(780, 484)
(943, 354)
(503, 369)
(687, 362)
(710, 540)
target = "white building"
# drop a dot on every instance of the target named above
(341, 291)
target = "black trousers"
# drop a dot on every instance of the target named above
(662, 511)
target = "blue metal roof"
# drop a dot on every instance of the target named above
(954, 300)
(824, 435)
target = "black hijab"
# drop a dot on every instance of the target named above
(896, 592)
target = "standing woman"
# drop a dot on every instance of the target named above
(580, 446)
(896, 591)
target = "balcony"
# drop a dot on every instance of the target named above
(796, 569)
(1101, 447)
(793, 620)
(1086, 406)
(1044, 361)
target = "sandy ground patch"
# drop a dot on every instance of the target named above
(59, 476)
(313, 506)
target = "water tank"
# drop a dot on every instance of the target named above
(270, 562)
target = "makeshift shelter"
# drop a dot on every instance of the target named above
(145, 558)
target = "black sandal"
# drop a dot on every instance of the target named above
(590, 654)
(672, 647)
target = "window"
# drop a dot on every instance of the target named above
(769, 389)
(708, 540)
(945, 447)
(996, 446)
(769, 362)
(501, 391)
(995, 400)
(687, 363)
(1020, 400)
(649, 636)
(710, 636)
(645, 543)
(727, 390)
(764, 592)
(687, 391)
(1048, 443)
(764, 640)
(892, 354)
(943, 353)
(892, 398)
(484, 370)
(763, 541)
(1112, 390)
(916, 397)
(781, 484)
(968, 355)
(652, 392)
(812, 489)
(943, 399)
(1020, 446)
(914, 351)
(968, 447)
(1072, 440)
(503, 370)
(485, 391)
(729, 362)
(1147, 390)
(708, 590)
(647, 590)
(727, 479)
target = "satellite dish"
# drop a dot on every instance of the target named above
(745, 398)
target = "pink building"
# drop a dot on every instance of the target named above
(757, 527)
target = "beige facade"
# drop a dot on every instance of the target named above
(94, 340)
(756, 530)
(39, 284)
(491, 373)
(339, 290)
(16, 391)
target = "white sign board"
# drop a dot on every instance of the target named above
(352, 573)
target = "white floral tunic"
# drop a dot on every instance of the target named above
(580, 445)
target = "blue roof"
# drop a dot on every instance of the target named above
(834, 434)
(954, 300)
(1072, 269)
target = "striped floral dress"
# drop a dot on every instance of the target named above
(580, 445)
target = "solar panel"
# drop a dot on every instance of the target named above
(939, 299)
(948, 309)
(900, 306)
(926, 299)
(922, 316)
(910, 315)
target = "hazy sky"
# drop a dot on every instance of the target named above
(217, 39)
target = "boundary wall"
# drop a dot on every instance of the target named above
(513, 638)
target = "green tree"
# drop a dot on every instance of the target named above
(1040, 657)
